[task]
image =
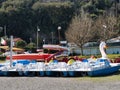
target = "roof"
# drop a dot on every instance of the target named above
(117, 39)
(17, 39)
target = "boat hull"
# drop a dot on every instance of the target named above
(103, 72)
(38, 57)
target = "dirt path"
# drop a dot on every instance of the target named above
(57, 83)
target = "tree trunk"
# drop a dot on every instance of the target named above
(82, 51)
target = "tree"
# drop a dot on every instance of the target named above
(106, 27)
(51, 15)
(21, 17)
(80, 31)
(21, 44)
(31, 47)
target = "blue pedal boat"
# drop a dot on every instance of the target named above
(107, 69)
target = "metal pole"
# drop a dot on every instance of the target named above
(11, 47)
(59, 35)
(1, 28)
(104, 26)
(44, 41)
(52, 37)
(59, 28)
(37, 39)
(37, 36)
(30, 40)
(5, 32)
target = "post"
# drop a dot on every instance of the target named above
(37, 36)
(44, 41)
(104, 26)
(30, 40)
(5, 32)
(59, 28)
(52, 37)
(11, 47)
(1, 28)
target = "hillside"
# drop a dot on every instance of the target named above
(22, 17)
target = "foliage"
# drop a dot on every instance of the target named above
(21, 17)
(31, 45)
(97, 7)
(2, 58)
(21, 44)
(52, 15)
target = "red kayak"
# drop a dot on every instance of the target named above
(58, 50)
(38, 57)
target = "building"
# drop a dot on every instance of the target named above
(92, 48)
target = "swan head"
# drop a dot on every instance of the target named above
(103, 45)
(102, 48)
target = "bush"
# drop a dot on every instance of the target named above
(21, 44)
(2, 57)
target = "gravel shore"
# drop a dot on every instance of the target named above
(56, 83)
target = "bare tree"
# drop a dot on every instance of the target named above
(80, 31)
(106, 27)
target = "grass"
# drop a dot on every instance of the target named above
(110, 56)
(108, 78)
(2, 61)
(113, 56)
